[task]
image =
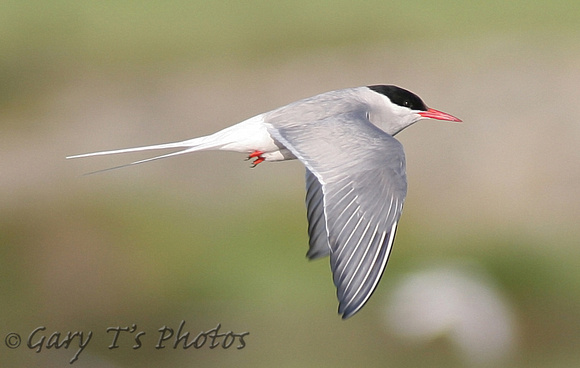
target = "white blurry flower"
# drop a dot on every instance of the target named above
(453, 302)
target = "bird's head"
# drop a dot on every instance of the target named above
(403, 108)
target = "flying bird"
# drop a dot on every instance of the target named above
(355, 173)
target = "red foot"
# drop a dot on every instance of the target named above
(258, 157)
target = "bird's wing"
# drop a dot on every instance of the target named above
(317, 233)
(356, 186)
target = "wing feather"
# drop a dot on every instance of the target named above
(317, 232)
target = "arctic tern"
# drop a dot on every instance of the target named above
(355, 173)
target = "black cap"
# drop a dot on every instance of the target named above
(401, 97)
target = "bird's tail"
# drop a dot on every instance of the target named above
(191, 145)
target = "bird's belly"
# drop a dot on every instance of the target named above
(250, 136)
(281, 154)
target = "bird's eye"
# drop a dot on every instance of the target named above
(407, 103)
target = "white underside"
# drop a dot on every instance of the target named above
(249, 136)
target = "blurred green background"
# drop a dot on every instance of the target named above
(492, 205)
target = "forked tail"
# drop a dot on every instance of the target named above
(191, 145)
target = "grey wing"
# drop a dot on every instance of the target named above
(362, 185)
(317, 234)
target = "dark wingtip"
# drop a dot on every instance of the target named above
(347, 312)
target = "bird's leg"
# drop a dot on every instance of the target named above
(258, 158)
